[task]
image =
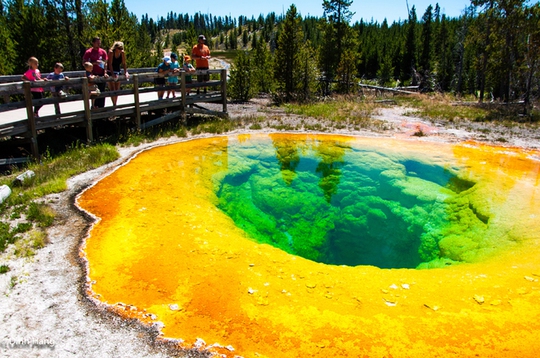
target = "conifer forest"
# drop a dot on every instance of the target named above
(491, 51)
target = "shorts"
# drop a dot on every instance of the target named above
(159, 81)
(203, 78)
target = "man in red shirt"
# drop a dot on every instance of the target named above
(201, 54)
(97, 57)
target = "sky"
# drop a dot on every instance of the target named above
(378, 10)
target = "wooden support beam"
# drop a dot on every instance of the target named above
(87, 111)
(137, 100)
(31, 120)
(183, 93)
(165, 118)
(224, 89)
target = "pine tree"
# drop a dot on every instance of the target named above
(262, 61)
(245, 38)
(287, 56)
(338, 15)
(427, 32)
(308, 73)
(531, 65)
(7, 51)
(336, 30)
(409, 58)
(241, 84)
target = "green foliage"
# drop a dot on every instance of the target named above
(492, 50)
(346, 72)
(294, 66)
(27, 247)
(336, 35)
(52, 173)
(42, 214)
(7, 50)
(4, 269)
(242, 84)
(338, 110)
(262, 61)
(50, 177)
(308, 74)
(214, 126)
(7, 236)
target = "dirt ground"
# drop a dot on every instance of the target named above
(43, 309)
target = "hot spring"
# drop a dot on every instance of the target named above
(319, 245)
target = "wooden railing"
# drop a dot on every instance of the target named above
(140, 82)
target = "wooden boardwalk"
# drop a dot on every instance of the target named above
(139, 95)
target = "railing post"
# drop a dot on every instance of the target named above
(137, 100)
(183, 93)
(87, 111)
(31, 119)
(224, 89)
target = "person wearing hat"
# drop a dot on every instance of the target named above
(163, 70)
(188, 68)
(201, 54)
(173, 75)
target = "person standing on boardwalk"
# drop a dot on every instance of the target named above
(173, 75)
(98, 58)
(163, 71)
(116, 61)
(201, 54)
(33, 74)
(188, 68)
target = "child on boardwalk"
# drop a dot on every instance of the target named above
(173, 75)
(92, 87)
(188, 69)
(33, 74)
(58, 74)
(163, 70)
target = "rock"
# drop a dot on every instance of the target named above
(479, 299)
(174, 307)
(405, 286)
(433, 307)
(5, 192)
(20, 179)
(158, 325)
(199, 343)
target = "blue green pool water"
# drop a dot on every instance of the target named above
(336, 203)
